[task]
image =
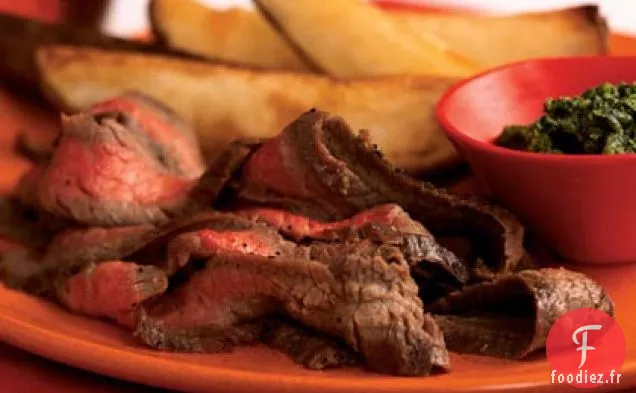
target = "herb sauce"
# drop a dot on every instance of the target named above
(602, 120)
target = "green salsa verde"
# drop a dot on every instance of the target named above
(602, 120)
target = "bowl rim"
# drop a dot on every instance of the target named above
(456, 134)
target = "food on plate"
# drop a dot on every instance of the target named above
(234, 35)
(319, 168)
(492, 40)
(353, 38)
(20, 37)
(308, 241)
(155, 165)
(599, 121)
(223, 103)
(511, 316)
(350, 291)
(238, 34)
(308, 348)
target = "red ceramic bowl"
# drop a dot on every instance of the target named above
(583, 206)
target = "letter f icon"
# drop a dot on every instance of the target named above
(584, 347)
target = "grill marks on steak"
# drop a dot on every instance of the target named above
(511, 317)
(317, 167)
(352, 293)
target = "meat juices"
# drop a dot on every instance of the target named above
(322, 250)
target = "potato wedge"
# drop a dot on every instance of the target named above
(224, 103)
(352, 38)
(494, 40)
(233, 35)
(486, 40)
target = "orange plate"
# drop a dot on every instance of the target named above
(46, 329)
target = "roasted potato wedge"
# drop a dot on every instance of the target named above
(353, 38)
(224, 103)
(486, 40)
(233, 35)
(495, 40)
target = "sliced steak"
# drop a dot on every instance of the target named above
(168, 247)
(172, 137)
(67, 253)
(382, 224)
(317, 167)
(309, 348)
(511, 317)
(202, 339)
(205, 243)
(369, 303)
(301, 227)
(107, 172)
(112, 289)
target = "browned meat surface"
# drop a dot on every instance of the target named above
(511, 317)
(369, 303)
(317, 167)
(309, 348)
(205, 339)
(112, 289)
(384, 224)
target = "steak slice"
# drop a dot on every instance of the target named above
(317, 167)
(112, 289)
(383, 224)
(73, 249)
(171, 136)
(201, 339)
(511, 317)
(369, 303)
(107, 172)
(308, 348)
(300, 227)
(67, 253)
